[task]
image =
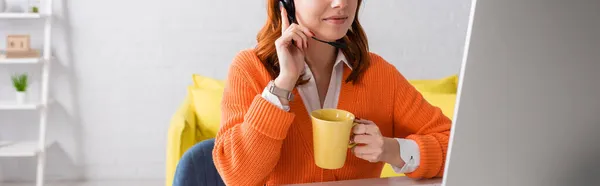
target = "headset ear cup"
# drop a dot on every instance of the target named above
(290, 9)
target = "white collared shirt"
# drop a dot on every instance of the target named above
(409, 150)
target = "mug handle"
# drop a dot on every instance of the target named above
(351, 145)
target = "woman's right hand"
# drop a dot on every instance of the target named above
(290, 54)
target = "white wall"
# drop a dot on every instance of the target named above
(124, 65)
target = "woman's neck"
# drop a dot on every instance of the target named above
(320, 57)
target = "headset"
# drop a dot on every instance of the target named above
(291, 14)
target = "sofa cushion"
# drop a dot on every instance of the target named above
(447, 85)
(444, 101)
(181, 134)
(203, 81)
(207, 95)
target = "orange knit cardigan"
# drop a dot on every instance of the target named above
(258, 143)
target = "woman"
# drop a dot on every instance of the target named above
(266, 138)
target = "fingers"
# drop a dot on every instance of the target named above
(370, 129)
(285, 22)
(366, 139)
(289, 30)
(298, 34)
(293, 34)
(359, 129)
(366, 150)
(367, 153)
(372, 144)
(306, 31)
(373, 149)
(364, 121)
(366, 132)
(304, 39)
(299, 41)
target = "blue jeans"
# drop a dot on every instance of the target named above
(196, 167)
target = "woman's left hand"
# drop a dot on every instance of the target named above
(372, 145)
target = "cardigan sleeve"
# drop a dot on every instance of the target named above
(248, 144)
(418, 120)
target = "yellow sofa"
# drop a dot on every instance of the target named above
(199, 115)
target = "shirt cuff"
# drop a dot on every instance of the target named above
(409, 152)
(273, 99)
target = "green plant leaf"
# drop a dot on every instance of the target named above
(20, 82)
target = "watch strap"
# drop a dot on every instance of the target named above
(281, 93)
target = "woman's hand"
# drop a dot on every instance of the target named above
(290, 51)
(373, 147)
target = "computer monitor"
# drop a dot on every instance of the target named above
(528, 103)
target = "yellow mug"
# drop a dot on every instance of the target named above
(332, 129)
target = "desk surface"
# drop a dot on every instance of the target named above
(393, 181)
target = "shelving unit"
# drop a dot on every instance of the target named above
(14, 106)
(21, 61)
(22, 16)
(32, 148)
(11, 105)
(18, 149)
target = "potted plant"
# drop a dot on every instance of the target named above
(20, 83)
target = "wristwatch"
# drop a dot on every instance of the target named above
(281, 93)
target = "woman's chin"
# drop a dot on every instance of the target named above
(333, 37)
